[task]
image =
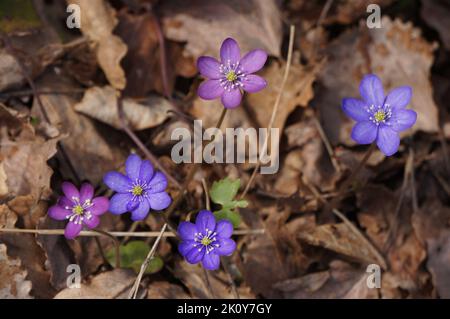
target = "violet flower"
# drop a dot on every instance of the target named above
(140, 190)
(227, 78)
(380, 118)
(206, 240)
(79, 207)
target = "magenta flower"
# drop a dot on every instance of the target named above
(139, 190)
(206, 240)
(79, 207)
(232, 74)
(380, 118)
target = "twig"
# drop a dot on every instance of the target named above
(91, 233)
(350, 225)
(100, 249)
(274, 110)
(208, 283)
(40, 92)
(230, 278)
(207, 201)
(135, 288)
(327, 144)
(141, 145)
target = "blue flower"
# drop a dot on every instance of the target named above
(140, 190)
(206, 240)
(380, 118)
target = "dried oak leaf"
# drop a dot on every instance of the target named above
(165, 290)
(432, 223)
(193, 277)
(204, 24)
(91, 148)
(12, 278)
(435, 13)
(397, 53)
(98, 20)
(108, 285)
(340, 281)
(101, 104)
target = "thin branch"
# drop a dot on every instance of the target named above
(208, 284)
(226, 267)
(205, 189)
(327, 144)
(350, 225)
(90, 233)
(116, 244)
(274, 110)
(135, 288)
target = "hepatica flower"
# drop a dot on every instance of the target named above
(206, 240)
(232, 75)
(140, 190)
(380, 118)
(80, 208)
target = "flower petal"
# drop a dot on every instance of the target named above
(210, 90)
(100, 205)
(118, 203)
(229, 51)
(355, 109)
(364, 132)
(209, 67)
(141, 211)
(205, 220)
(86, 192)
(159, 201)
(402, 119)
(254, 83)
(186, 230)
(132, 204)
(371, 89)
(224, 229)
(185, 247)
(117, 182)
(195, 255)
(253, 61)
(146, 171)
(388, 140)
(158, 183)
(226, 247)
(232, 98)
(211, 261)
(72, 230)
(92, 222)
(70, 190)
(59, 213)
(64, 202)
(399, 97)
(132, 166)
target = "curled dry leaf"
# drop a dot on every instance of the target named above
(204, 24)
(436, 13)
(113, 284)
(12, 278)
(98, 20)
(340, 281)
(101, 104)
(165, 290)
(193, 277)
(397, 53)
(10, 70)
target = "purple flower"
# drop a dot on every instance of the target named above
(206, 240)
(140, 190)
(232, 74)
(79, 207)
(380, 117)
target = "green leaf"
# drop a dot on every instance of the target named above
(133, 254)
(229, 215)
(224, 191)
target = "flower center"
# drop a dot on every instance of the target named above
(206, 241)
(137, 190)
(78, 210)
(231, 76)
(380, 116)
